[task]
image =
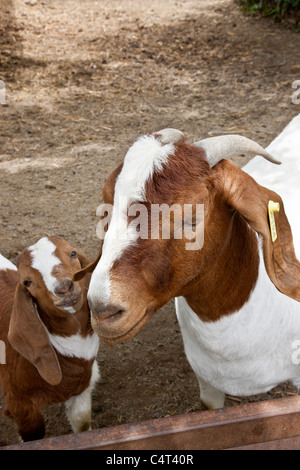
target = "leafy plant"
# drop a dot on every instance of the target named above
(279, 9)
(270, 7)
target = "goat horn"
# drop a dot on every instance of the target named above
(169, 136)
(223, 146)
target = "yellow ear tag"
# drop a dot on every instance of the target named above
(273, 207)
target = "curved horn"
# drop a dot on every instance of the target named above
(217, 148)
(169, 136)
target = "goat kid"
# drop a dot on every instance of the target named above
(237, 298)
(50, 346)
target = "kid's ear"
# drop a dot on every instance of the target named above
(29, 337)
(88, 268)
(84, 261)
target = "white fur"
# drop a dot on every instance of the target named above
(69, 309)
(79, 407)
(6, 264)
(76, 345)
(44, 260)
(251, 351)
(145, 156)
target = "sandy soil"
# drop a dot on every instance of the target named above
(83, 80)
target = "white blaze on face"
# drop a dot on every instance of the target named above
(44, 260)
(145, 156)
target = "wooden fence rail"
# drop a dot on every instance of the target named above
(272, 424)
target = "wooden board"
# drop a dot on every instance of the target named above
(273, 424)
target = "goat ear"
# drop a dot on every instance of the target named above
(29, 337)
(251, 200)
(108, 190)
(84, 261)
(88, 268)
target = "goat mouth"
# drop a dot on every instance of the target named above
(68, 302)
(127, 335)
(110, 317)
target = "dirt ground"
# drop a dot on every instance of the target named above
(83, 80)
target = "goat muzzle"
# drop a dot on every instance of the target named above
(67, 294)
(116, 325)
(64, 287)
(104, 312)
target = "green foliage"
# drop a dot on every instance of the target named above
(278, 8)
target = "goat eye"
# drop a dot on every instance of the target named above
(73, 254)
(27, 283)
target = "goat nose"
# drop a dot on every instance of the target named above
(64, 287)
